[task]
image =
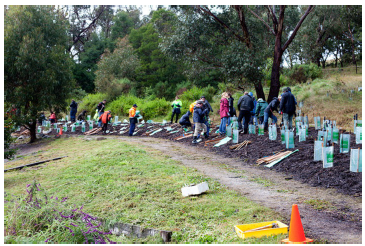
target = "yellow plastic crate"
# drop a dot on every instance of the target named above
(240, 229)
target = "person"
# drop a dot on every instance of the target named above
(198, 118)
(232, 110)
(287, 107)
(81, 116)
(132, 119)
(245, 105)
(269, 112)
(253, 116)
(41, 118)
(260, 109)
(52, 117)
(73, 107)
(105, 118)
(224, 113)
(176, 105)
(101, 107)
(185, 121)
(206, 105)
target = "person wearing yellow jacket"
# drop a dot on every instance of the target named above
(132, 119)
(176, 105)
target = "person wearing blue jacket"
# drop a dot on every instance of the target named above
(184, 120)
(198, 118)
(269, 112)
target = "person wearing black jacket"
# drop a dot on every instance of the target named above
(101, 108)
(184, 120)
(206, 105)
(287, 107)
(73, 110)
(198, 118)
(232, 110)
(245, 105)
(268, 113)
(81, 116)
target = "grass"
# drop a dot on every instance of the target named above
(120, 182)
(263, 181)
(319, 204)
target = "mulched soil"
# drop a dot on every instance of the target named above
(299, 166)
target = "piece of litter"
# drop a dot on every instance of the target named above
(194, 190)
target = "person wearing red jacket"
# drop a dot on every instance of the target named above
(224, 113)
(52, 117)
(105, 118)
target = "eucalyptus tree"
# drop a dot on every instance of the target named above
(37, 66)
(237, 39)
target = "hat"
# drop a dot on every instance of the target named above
(202, 97)
(135, 105)
(288, 89)
(250, 93)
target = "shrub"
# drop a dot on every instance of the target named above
(301, 73)
(49, 219)
(90, 102)
(8, 139)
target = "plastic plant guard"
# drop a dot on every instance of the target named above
(83, 127)
(344, 143)
(302, 134)
(335, 135)
(65, 128)
(329, 133)
(318, 150)
(39, 129)
(235, 136)
(261, 130)
(58, 130)
(320, 135)
(164, 122)
(229, 130)
(91, 126)
(299, 112)
(55, 126)
(251, 129)
(356, 160)
(272, 132)
(300, 104)
(318, 123)
(275, 132)
(66, 117)
(282, 136)
(73, 128)
(327, 155)
(48, 124)
(358, 135)
(306, 121)
(359, 123)
(234, 123)
(289, 139)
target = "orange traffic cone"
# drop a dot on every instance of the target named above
(61, 131)
(296, 232)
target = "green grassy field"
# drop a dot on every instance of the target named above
(137, 185)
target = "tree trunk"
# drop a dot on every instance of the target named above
(336, 58)
(259, 90)
(275, 71)
(33, 131)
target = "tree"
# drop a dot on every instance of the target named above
(156, 67)
(113, 67)
(37, 65)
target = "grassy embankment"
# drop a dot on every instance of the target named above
(137, 185)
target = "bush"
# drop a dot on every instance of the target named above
(8, 139)
(90, 102)
(49, 219)
(149, 108)
(301, 73)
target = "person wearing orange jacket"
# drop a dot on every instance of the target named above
(105, 118)
(132, 119)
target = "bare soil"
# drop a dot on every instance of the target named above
(295, 180)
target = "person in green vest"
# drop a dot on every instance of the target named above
(176, 105)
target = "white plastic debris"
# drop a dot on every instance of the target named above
(195, 189)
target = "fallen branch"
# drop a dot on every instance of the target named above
(32, 164)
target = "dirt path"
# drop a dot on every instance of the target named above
(341, 223)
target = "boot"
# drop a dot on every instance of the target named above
(206, 135)
(194, 140)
